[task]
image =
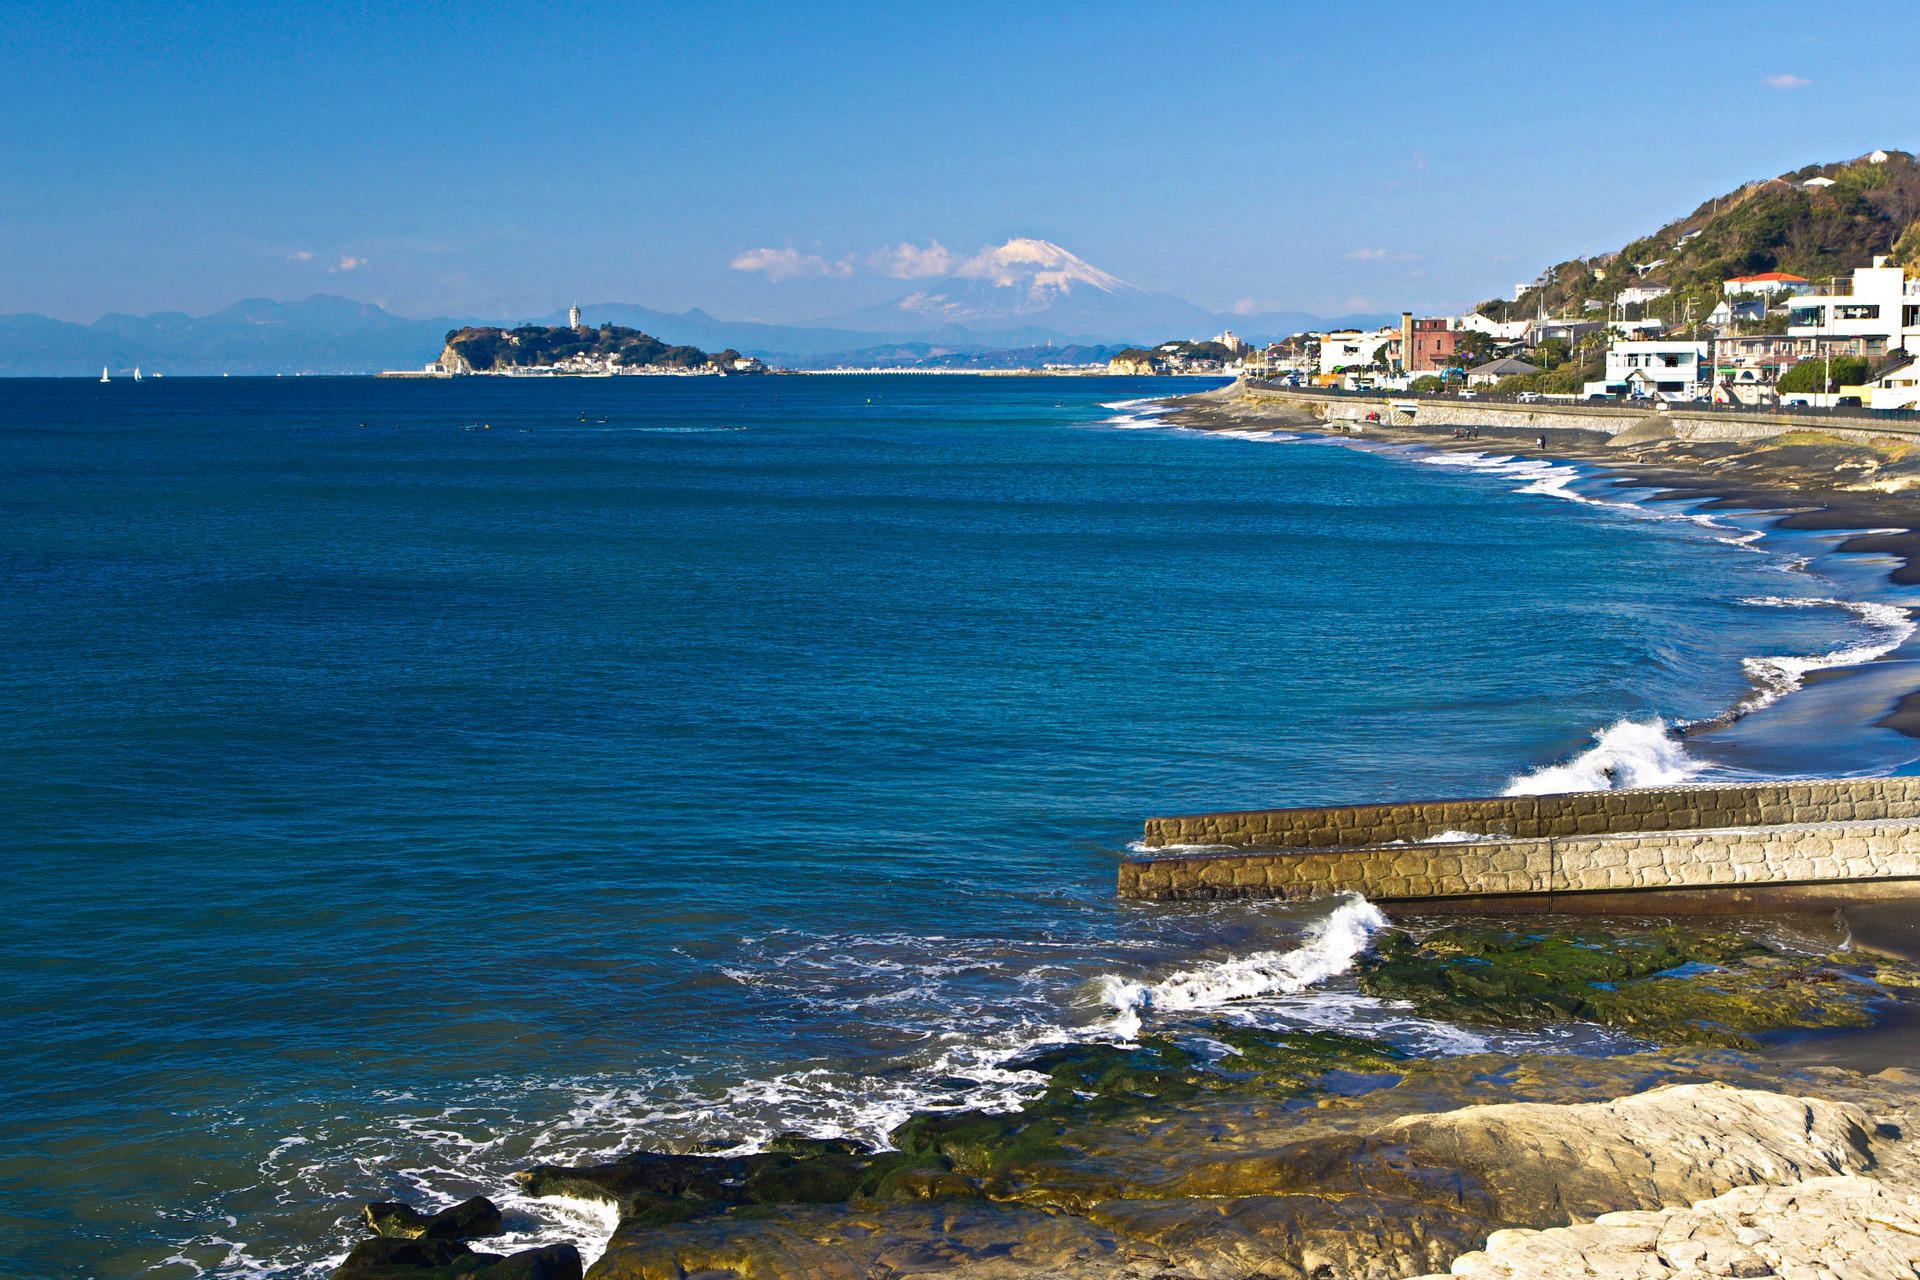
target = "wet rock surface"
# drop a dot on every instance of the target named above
(1226, 1151)
(411, 1245)
(1207, 1183)
(1673, 985)
(471, 1219)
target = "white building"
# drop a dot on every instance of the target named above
(1239, 346)
(1642, 293)
(1752, 310)
(1505, 330)
(1351, 348)
(1637, 330)
(573, 318)
(1769, 282)
(1874, 312)
(1660, 370)
(1897, 387)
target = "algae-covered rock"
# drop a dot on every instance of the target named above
(387, 1258)
(1674, 985)
(661, 1189)
(1293, 1060)
(471, 1219)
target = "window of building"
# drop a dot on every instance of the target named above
(1806, 315)
(1910, 317)
(1858, 311)
(1671, 362)
(1668, 386)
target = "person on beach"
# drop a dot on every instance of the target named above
(1540, 442)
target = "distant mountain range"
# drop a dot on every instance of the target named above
(1025, 296)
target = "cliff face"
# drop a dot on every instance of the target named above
(1134, 362)
(451, 361)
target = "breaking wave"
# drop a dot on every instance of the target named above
(1627, 753)
(1331, 946)
(1137, 413)
(1776, 676)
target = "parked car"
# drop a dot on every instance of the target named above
(1467, 394)
(1527, 397)
(1847, 402)
(1796, 400)
(1600, 396)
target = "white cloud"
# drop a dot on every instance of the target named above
(787, 264)
(302, 256)
(349, 264)
(1786, 82)
(1250, 307)
(911, 262)
(1367, 255)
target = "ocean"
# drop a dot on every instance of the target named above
(409, 781)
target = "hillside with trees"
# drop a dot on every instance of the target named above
(1855, 210)
(484, 350)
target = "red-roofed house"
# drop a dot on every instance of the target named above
(1769, 282)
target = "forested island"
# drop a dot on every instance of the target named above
(578, 349)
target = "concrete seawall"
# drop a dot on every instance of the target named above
(1714, 848)
(1570, 416)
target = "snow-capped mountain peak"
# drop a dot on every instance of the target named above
(1040, 264)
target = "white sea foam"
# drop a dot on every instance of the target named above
(1549, 479)
(1627, 753)
(1137, 413)
(1330, 948)
(1776, 676)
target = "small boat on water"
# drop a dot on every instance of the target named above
(103, 374)
(136, 373)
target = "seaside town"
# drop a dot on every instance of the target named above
(1743, 353)
(1618, 328)
(1849, 337)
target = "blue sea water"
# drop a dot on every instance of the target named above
(406, 782)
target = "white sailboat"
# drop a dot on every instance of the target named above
(103, 374)
(136, 373)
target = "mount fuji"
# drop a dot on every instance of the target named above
(1035, 285)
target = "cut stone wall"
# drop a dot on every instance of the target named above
(1767, 837)
(1531, 817)
(1581, 416)
(1728, 858)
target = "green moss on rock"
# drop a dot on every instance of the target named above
(1674, 985)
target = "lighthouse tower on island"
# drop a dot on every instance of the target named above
(573, 318)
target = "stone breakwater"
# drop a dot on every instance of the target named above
(1680, 848)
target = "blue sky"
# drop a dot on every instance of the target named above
(505, 159)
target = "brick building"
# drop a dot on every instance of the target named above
(1428, 346)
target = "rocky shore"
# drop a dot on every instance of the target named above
(1217, 1151)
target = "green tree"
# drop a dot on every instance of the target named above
(1906, 250)
(1810, 375)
